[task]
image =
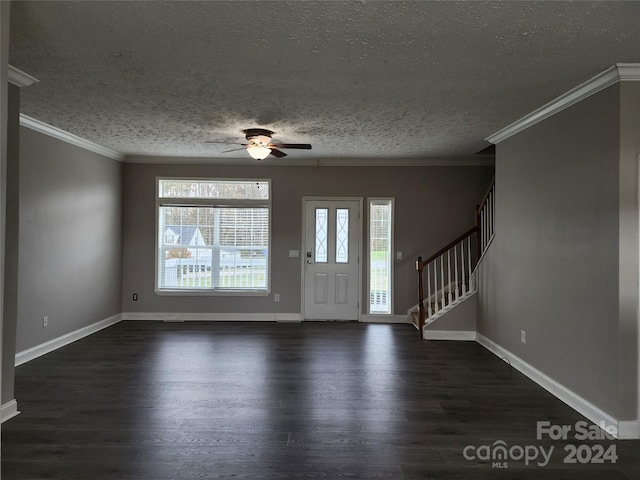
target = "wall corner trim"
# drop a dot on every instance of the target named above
(20, 78)
(70, 138)
(9, 410)
(614, 74)
(51, 345)
(626, 430)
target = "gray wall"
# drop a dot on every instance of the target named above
(433, 205)
(628, 335)
(70, 238)
(10, 308)
(553, 268)
(462, 318)
(4, 55)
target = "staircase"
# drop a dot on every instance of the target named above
(449, 273)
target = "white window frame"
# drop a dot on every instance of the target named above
(211, 202)
(391, 202)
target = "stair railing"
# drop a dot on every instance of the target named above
(450, 271)
(448, 276)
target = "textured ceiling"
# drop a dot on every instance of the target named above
(356, 79)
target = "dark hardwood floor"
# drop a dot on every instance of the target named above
(151, 400)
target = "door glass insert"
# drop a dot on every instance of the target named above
(322, 219)
(342, 235)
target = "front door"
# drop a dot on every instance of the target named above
(332, 259)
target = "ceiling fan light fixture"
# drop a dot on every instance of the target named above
(258, 152)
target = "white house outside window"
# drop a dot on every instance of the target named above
(213, 236)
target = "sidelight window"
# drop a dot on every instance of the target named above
(380, 256)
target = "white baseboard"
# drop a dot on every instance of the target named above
(212, 317)
(245, 317)
(464, 335)
(51, 345)
(288, 317)
(561, 392)
(368, 318)
(9, 410)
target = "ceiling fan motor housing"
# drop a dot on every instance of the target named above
(258, 136)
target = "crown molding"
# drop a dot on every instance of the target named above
(67, 137)
(174, 160)
(406, 162)
(20, 78)
(322, 162)
(617, 73)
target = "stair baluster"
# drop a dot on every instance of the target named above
(462, 269)
(455, 269)
(429, 304)
(449, 276)
(443, 299)
(471, 279)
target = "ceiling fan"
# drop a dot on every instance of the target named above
(260, 145)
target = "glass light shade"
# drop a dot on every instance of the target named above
(258, 152)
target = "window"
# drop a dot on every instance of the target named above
(213, 236)
(380, 256)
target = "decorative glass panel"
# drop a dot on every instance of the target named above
(342, 235)
(322, 219)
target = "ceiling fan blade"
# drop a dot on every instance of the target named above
(301, 146)
(277, 153)
(234, 150)
(225, 143)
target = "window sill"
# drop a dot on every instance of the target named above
(212, 293)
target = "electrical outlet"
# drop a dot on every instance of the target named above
(45, 322)
(135, 297)
(276, 297)
(398, 255)
(523, 336)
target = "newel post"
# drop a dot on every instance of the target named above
(421, 312)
